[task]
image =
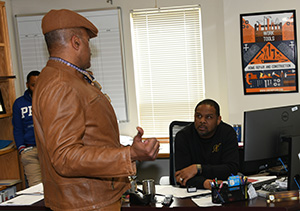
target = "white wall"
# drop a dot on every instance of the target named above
(237, 101)
(213, 36)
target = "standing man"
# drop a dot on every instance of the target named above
(206, 149)
(24, 131)
(84, 166)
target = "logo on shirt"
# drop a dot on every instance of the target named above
(216, 147)
(26, 110)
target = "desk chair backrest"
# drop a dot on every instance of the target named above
(175, 126)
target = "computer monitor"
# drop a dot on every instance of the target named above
(264, 133)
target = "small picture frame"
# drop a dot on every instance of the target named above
(2, 107)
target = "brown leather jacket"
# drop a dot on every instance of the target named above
(84, 166)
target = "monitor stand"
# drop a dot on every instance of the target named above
(294, 163)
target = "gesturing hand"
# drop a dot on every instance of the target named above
(143, 150)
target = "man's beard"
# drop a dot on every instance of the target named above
(30, 92)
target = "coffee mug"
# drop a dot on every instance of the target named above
(149, 188)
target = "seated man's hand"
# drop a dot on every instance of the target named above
(146, 150)
(183, 175)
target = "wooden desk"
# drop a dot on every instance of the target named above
(257, 204)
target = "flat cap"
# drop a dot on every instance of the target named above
(63, 19)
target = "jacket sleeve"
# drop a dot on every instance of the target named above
(18, 127)
(183, 160)
(63, 126)
(182, 153)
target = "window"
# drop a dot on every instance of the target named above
(168, 66)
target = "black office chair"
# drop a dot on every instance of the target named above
(174, 127)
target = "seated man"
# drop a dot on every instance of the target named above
(205, 149)
(24, 132)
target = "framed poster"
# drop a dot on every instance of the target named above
(269, 52)
(2, 108)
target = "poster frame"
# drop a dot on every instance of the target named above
(264, 79)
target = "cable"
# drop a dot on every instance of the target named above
(296, 183)
(282, 164)
(287, 171)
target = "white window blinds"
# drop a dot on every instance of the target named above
(168, 65)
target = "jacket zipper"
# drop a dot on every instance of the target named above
(112, 183)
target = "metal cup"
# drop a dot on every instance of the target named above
(149, 188)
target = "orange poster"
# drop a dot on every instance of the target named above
(269, 52)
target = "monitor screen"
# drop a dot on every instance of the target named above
(264, 131)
